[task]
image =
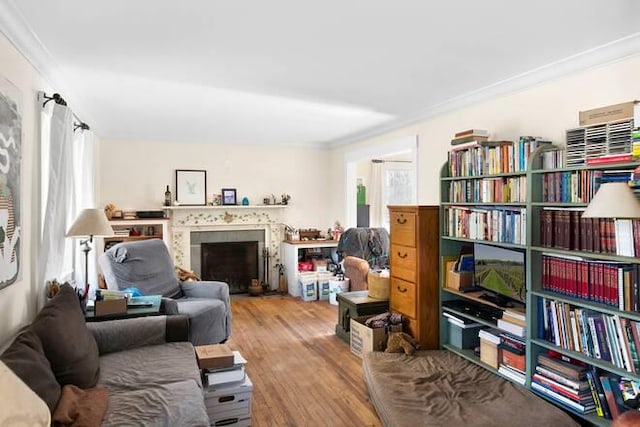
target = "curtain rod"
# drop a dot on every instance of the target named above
(390, 161)
(58, 99)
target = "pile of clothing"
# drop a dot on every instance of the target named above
(384, 320)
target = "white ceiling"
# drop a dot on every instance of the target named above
(298, 72)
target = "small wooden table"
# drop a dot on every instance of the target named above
(355, 304)
(152, 310)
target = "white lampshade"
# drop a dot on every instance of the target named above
(613, 200)
(90, 222)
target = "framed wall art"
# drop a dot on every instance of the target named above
(229, 196)
(191, 187)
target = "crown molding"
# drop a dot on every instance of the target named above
(610, 52)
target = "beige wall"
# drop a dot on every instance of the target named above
(18, 302)
(134, 174)
(546, 110)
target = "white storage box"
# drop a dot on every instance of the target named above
(229, 403)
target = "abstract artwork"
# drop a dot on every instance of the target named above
(10, 184)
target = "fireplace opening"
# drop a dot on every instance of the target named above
(233, 262)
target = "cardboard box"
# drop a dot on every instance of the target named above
(610, 113)
(458, 280)
(110, 306)
(489, 352)
(214, 356)
(365, 339)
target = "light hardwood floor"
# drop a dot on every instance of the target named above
(302, 373)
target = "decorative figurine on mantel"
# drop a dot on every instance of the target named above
(285, 199)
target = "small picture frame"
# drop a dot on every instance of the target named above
(191, 187)
(229, 196)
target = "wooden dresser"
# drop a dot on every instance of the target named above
(414, 262)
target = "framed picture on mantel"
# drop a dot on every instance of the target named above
(191, 187)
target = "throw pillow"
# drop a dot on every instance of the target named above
(20, 406)
(25, 357)
(66, 340)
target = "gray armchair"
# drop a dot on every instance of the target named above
(147, 266)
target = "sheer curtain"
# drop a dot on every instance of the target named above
(67, 182)
(54, 258)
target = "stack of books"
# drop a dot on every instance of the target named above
(511, 357)
(566, 382)
(513, 321)
(470, 135)
(221, 367)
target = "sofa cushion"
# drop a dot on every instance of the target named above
(66, 340)
(25, 357)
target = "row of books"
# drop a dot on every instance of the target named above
(635, 143)
(500, 224)
(492, 157)
(570, 187)
(489, 190)
(602, 336)
(565, 228)
(582, 388)
(609, 283)
(512, 361)
(552, 159)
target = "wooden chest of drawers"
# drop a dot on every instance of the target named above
(414, 259)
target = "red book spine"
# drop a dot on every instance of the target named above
(586, 284)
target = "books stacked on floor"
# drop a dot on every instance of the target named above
(564, 381)
(513, 321)
(511, 357)
(231, 375)
(221, 367)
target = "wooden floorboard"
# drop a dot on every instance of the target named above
(302, 373)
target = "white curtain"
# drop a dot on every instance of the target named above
(377, 208)
(54, 258)
(84, 179)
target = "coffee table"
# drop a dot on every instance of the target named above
(132, 311)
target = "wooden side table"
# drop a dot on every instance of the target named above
(355, 304)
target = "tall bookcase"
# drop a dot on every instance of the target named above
(543, 247)
(571, 270)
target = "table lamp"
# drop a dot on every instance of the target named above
(90, 222)
(613, 200)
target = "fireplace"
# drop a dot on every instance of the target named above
(232, 256)
(233, 262)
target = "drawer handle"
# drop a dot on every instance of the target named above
(403, 256)
(401, 220)
(403, 290)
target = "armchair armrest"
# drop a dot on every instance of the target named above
(206, 289)
(210, 289)
(123, 334)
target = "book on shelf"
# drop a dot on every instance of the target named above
(610, 158)
(492, 335)
(512, 374)
(468, 138)
(582, 396)
(570, 370)
(479, 132)
(511, 327)
(562, 400)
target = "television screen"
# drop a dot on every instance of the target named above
(500, 271)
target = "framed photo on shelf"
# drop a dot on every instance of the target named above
(191, 187)
(229, 196)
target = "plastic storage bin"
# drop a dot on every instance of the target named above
(336, 287)
(324, 290)
(309, 286)
(464, 337)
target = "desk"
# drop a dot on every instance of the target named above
(131, 311)
(354, 304)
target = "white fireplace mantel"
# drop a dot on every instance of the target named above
(187, 219)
